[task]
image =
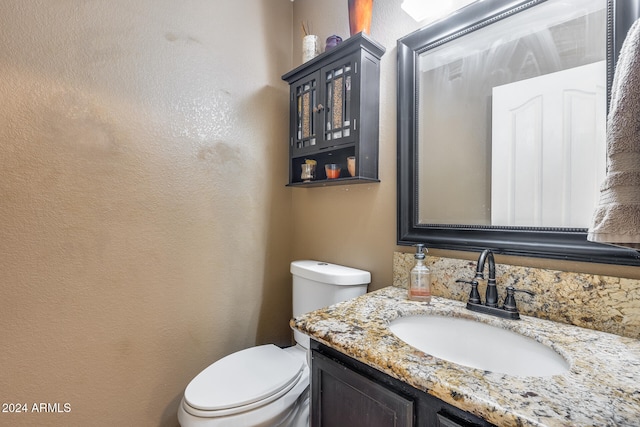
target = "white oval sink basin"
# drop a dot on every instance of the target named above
(478, 345)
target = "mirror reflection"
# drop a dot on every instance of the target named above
(511, 120)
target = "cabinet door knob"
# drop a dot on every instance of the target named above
(319, 108)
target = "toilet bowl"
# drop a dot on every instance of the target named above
(268, 386)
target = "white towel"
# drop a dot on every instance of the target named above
(616, 219)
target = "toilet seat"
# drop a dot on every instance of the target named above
(243, 381)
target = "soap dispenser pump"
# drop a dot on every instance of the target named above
(420, 277)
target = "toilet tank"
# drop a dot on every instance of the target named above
(319, 284)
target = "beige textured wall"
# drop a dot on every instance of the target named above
(356, 225)
(144, 223)
(145, 229)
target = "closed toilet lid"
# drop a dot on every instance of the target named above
(242, 378)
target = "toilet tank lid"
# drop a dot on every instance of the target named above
(332, 274)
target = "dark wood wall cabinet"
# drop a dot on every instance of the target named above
(345, 392)
(334, 113)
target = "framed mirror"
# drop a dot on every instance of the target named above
(538, 72)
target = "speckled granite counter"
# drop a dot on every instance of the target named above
(602, 387)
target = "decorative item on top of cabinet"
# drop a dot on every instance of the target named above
(334, 113)
(360, 12)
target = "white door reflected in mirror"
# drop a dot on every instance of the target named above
(551, 131)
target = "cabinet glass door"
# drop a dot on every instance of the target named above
(306, 109)
(339, 124)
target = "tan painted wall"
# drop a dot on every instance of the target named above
(144, 223)
(356, 225)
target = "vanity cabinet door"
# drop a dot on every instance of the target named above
(341, 397)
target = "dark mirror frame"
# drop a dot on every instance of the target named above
(554, 243)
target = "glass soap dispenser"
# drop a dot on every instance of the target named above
(420, 278)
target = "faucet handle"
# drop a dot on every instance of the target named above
(510, 300)
(474, 295)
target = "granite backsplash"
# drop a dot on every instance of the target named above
(603, 303)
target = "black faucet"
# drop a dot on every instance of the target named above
(491, 296)
(509, 309)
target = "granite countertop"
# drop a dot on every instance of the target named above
(601, 388)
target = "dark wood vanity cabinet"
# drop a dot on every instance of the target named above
(334, 112)
(343, 397)
(345, 392)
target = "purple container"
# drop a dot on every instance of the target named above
(333, 41)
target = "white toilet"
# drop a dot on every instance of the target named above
(266, 386)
